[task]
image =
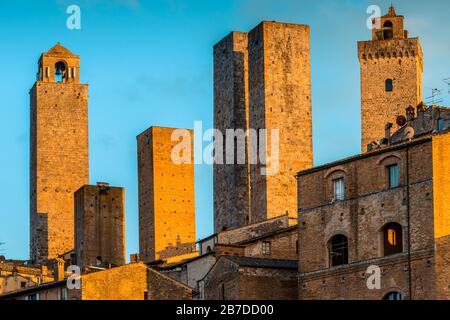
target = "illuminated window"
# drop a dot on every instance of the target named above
(389, 85)
(338, 248)
(393, 176)
(339, 189)
(393, 239)
(393, 296)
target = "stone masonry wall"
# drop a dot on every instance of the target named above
(368, 206)
(280, 98)
(231, 181)
(400, 60)
(166, 197)
(59, 164)
(99, 226)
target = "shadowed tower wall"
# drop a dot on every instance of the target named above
(280, 98)
(166, 198)
(100, 226)
(390, 57)
(231, 181)
(59, 162)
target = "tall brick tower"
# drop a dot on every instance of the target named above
(391, 75)
(280, 98)
(166, 198)
(59, 162)
(231, 181)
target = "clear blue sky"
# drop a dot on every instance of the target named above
(150, 63)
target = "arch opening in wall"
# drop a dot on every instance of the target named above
(60, 72)
(338, 250)
(392, 239)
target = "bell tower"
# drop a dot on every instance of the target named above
(59, 162)
(391, 75)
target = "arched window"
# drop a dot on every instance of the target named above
(60, 72)
(338, 249)
(393, 295)
(392, 239)
(388, 30)
(389, 85)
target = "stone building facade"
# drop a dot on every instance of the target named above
(135, 281)
(59, 163)
(100, 226)
(231, 180)
(386, 208)
(391, 75)
(15, 277)
(244, 278)
(166, 197)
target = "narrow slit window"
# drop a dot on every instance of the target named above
(389, 85)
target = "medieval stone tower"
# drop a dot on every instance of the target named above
(279, 99)
(59, 162)
(231, 181)
(391, 75)
(100, 225)
(262, 81)
(166, 197)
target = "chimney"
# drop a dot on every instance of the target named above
(58, 269)
(387, 130)
(103, 184)
(44, 270)
(410, 114)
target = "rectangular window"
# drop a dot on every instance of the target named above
(266, 248)
(440, 124)
(393, 176)
(34, 296)
(63, 294)
(339, 189)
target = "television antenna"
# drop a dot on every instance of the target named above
(447, 82)
(435, 98)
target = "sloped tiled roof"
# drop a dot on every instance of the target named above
(59, 50)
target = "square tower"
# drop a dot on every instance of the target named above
(280, 99)
(59, 163)
(166, 196)
(391, 76)
(231, 181)
(99, 226)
